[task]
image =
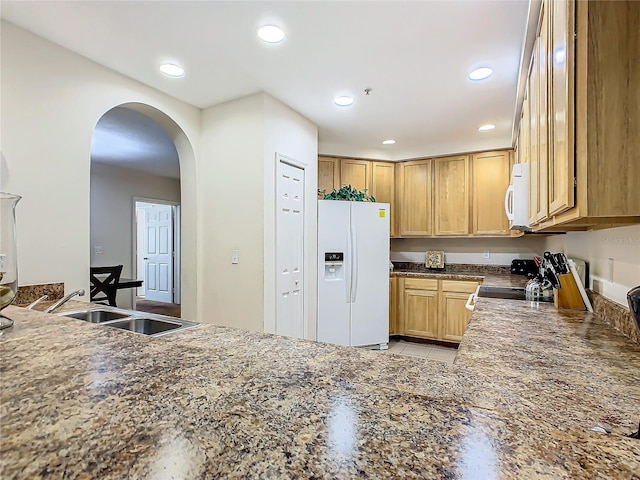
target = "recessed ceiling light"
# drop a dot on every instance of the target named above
(480, 73)
(172, 70)
(344, 101)
(271, 34)
(388, 142)
(486, 128)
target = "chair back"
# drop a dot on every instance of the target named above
(105, 285)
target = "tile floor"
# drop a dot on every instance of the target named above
(422, 350)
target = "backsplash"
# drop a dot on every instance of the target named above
(615, 315)
(29, 293)
(452, 267)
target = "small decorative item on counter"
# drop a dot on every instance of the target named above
(435, 259)
(8, 254)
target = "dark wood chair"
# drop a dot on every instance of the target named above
(107, 286)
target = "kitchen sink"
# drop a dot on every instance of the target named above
(131, 320)
(97, 316)
(146, 326)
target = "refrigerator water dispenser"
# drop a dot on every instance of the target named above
(334, 266)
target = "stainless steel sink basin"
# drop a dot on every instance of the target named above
(131, 320)
(146, 326)
(97, 316)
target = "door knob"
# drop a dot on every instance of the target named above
(145, 258)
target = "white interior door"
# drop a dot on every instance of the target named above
(158, 243)
(290, 251)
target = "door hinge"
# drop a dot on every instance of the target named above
(575, 181)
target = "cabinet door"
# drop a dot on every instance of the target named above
(454, 317)
(491, 174)
(534, 160)
(328, 174)
(393, 306)
(420, 313)
(414, 195)
(355, 173)
(451, 196)
(383, 188)
(561, 77)
(543, 113)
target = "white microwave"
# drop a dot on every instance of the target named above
(516, 199)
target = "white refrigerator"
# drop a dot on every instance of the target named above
(353, 270)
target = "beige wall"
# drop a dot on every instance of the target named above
(240, 139)
(112, 210)
(51, 102)
(621, 245)
(468, 250)
(290, 134)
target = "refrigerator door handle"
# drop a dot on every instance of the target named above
(348, 264)
(354, 264)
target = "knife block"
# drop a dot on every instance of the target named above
(568, 295)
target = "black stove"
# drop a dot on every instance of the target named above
(510, 293)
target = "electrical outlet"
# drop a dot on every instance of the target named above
(235, 254)
(610, 260)
(97, 250)
(486, 254)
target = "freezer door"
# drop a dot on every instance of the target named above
(334, 256)
(370, 279)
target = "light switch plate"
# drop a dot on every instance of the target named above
(97, 250)
(235, 256)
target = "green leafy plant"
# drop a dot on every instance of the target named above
(349, 194)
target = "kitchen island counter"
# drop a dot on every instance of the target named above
(80, 400)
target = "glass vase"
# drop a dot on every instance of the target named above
(8, 254)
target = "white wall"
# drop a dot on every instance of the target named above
(112, 210)
(51, 102)
(468, 250)
(240, 139)
(622, 245)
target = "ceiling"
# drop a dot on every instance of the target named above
(415, 56)
(128, 139)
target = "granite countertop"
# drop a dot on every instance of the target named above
(83, 401)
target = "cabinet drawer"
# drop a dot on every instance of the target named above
(459, 286)
(421, 284)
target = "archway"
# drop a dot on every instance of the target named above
(160, 187)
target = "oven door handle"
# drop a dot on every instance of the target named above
(471, 301)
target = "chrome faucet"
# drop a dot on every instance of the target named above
(61, 302)
(32, 305)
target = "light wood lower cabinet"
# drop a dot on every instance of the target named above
(393, 305)
(430, 308)
(419, 307)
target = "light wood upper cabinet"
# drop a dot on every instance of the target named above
(415, 200)
(451, 195)
(356, 173)
(419, 307)
(328, 174)
(534, 158)
(561, 103)
(383, 188)
(543, 112)
(491, 176)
